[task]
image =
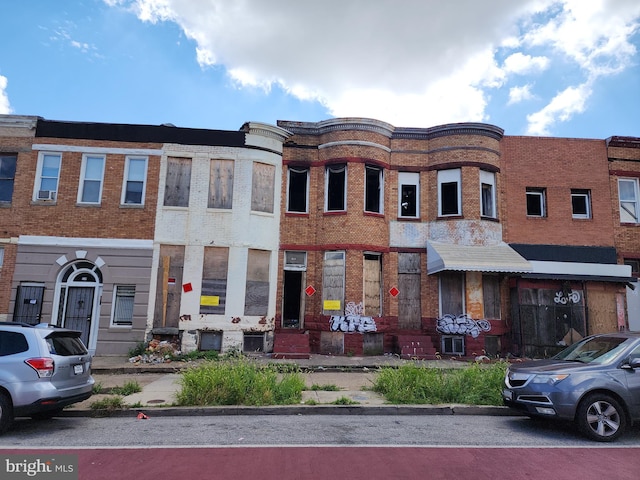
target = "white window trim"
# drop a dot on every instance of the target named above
(83, 172)
(488, 178)
(450, 176)
(114, 303)
(541, 194)
(38, 182)
(587, 196)
(326, 188)
(125, 178)
(408, 178)
(636, 200)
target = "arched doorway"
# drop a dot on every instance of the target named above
(77, 305)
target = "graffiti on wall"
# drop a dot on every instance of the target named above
(462, 325)
(570, 297)
(353, 321)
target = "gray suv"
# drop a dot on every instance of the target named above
(594, 382)
(42, 370)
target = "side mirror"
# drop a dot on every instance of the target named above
(634, 362)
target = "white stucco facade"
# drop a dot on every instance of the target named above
(238, 228)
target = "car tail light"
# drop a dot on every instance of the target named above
(43, 366)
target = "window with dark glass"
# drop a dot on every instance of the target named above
(536, 202)
(336, 188)
(373, 189)
(449, 196)
(297, 189)
(580, 203)
(7, 176)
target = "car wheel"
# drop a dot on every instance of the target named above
(600, 417)
(6, 413)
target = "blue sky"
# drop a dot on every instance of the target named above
(568, 68)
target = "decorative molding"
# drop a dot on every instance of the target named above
(361, 143)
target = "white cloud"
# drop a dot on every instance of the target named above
(522, 64)
(411, 63)
(560, 109)
(519, 94)
(5, 106)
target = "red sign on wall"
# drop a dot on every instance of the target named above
(310, 290)
(394, 292)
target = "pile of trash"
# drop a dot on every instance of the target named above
(158, 351)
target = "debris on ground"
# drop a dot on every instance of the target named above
(157, 351)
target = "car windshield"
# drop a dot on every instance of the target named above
(593, 350)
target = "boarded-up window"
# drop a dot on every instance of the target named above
(372, 285)
(214, 280)
(333, 283)
(176, 190)
(169, 281)
(409, 308)
(262, 187)
(256, 301)
(451, 293)
(220, 184)
(491, 296)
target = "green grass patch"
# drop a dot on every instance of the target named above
(127, 389)
(344, 401)
(109, 403)
(325, 388)
(476, 384)
(238, 382)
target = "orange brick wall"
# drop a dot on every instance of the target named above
(558, 165)
(64, 217)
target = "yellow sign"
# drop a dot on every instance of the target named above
(332, 305)
(209, 301)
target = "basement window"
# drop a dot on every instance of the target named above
(453, 345)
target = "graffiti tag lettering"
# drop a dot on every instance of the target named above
(462, 325)
(352, 324)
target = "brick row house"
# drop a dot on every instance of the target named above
(346, 236)
(130, 231)
(452, 240)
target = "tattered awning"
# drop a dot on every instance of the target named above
(475, 258)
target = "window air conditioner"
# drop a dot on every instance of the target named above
(46, 195)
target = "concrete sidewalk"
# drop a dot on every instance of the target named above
(353, 376)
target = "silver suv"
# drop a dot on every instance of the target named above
(42, 370)
(595, 383)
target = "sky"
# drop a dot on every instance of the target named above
(561, 68)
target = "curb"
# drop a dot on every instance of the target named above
(298, 410)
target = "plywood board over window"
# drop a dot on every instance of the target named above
(169, 281)
(262, 187)
(409, 309)
(372, 285)
(256, 300)
(220, 183)
(178, 184)
(333, 283)
(214, 280)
